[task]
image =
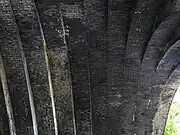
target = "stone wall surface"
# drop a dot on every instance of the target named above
(88, 67)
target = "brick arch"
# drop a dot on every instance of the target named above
(88, 67)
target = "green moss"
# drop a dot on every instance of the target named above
(173, 121)
(170, 128)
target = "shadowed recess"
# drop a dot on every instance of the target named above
(157, 44)
(141, 29)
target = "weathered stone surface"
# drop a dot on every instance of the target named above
(95, 20)
(78, 56)
(54, 31)
(4, 127)
(97, 67)
(32, 42)
(14, 70)
(134, 86)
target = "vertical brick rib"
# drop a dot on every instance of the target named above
(13, 64)
(4, 124)
(54, 27)
(73, 15)
(31, 99)
(34, 51)
(72, 98)
(7, 98)
(49, 73)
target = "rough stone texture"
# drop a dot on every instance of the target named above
(96, 67)
(4, 127)
(13, 64)
(95, 19)
(74, 29)
(32, 41)
(54, 32)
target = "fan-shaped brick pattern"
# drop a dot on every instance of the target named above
(88, 67)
